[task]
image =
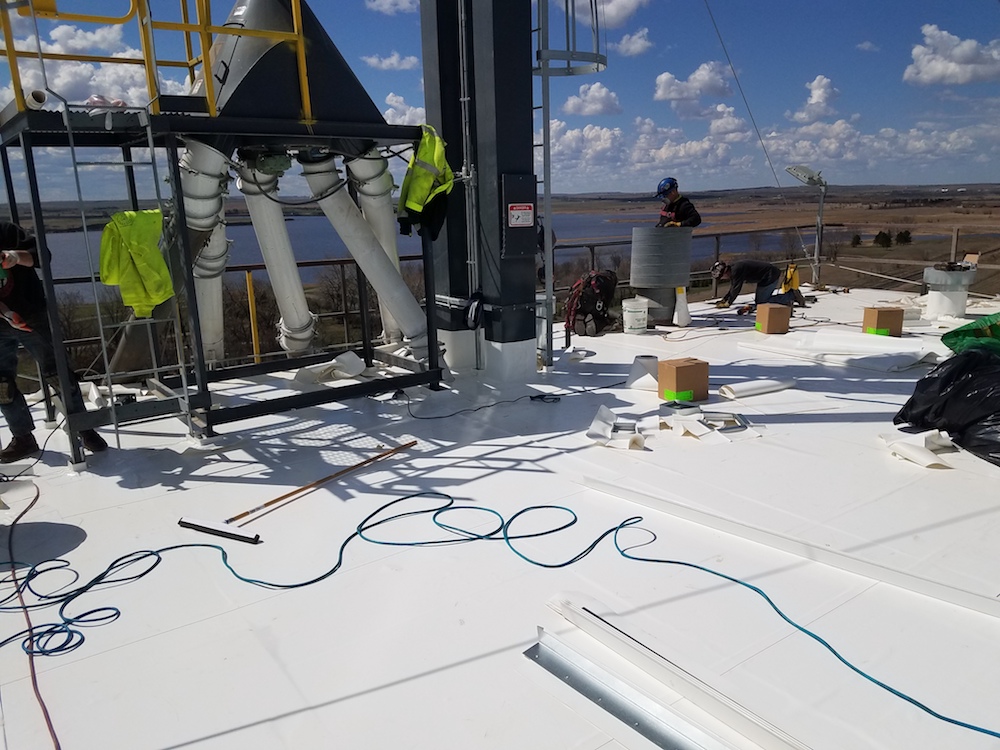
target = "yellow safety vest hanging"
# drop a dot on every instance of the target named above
(428, 179)
(131, 259)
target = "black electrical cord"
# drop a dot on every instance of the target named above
(545, 398)
(29, 632)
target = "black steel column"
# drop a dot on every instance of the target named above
(499, 43)
(63, 371)
(439, 24)
(9, 184)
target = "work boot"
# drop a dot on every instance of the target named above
(92, 441)
(18, 448)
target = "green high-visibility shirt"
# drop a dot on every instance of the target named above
(132, 261)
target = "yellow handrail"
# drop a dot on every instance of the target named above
(15, 73)
(48, 10)
(202, 27)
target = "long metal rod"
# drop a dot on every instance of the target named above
(315, 484)
(548, 255)
(469, 169)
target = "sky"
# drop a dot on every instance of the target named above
(719, 94)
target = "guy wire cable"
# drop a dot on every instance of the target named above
(746, 103)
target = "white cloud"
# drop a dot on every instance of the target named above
(77, 80)
(611, 13)
(632, 45)
(393, 62)
(391, 7)
(594, 99)
(727, 127)
(868, 47)
(820, 103)
(585, 148)
(708, 80)
(943, 58)
(401, 113)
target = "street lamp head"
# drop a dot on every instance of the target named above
(804, 174)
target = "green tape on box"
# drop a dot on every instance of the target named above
(758, 325)
(678, 396)
(878, 331)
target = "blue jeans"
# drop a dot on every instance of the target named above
(38, 342)
(765, 294)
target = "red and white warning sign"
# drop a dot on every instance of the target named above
(520, 214)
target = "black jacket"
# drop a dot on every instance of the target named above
(757, 272)
(21, 290)
(682, 211)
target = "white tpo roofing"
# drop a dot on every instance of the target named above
(414, 634)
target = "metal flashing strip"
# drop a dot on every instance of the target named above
(616, 696)
(806, 550)
(707, 698)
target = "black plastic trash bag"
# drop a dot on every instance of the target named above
(961, 396)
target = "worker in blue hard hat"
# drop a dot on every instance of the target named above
(677, 210)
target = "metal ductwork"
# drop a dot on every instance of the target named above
(258, 77)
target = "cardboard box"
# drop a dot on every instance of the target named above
(883, 321)
(773, 318)
(683, 379)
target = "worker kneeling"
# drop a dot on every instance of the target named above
(766, 276)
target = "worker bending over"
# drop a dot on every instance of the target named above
(765, 275)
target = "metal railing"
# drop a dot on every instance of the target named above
(346, 271)
(197, 42)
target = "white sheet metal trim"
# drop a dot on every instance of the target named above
(619, 697)
(801, 548)
(700, 693)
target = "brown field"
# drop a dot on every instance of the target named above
(937, 218)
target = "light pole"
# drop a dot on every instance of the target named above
(809, 177)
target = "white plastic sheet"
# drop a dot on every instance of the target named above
(754, 388)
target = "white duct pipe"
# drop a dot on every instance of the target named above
(208, 268)
(373, 181)
(297, 323)
(35, 99)
(204, 177)
(323, 177)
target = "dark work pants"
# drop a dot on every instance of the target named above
(38, 342)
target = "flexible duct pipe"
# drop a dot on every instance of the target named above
(373, 182)
(323, 177)
(204, 177)
(297, 324)
(208, 268)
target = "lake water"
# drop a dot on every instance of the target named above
(313, 238)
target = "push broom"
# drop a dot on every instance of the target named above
(228, 530)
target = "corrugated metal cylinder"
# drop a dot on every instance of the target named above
(661, 257)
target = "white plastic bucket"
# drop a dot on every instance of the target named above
(635, 311)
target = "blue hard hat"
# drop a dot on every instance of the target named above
(666, 185)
